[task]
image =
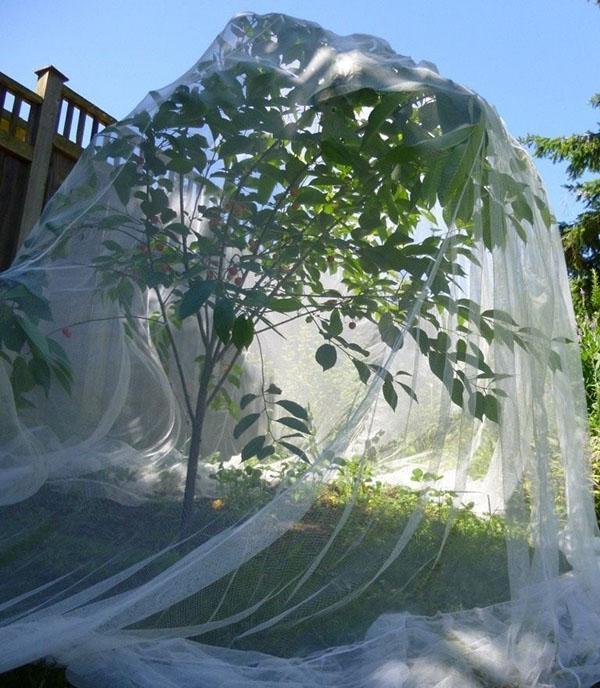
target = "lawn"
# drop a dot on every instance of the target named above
(440, 569)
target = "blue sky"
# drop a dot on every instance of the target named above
(537, 61)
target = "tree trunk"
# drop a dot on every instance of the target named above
(194, 453)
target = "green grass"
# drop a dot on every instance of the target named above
(73, 531)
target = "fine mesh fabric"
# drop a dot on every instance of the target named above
(342, 230)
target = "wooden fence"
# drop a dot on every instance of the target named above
(42, 134)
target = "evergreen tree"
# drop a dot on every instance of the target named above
(581, 238)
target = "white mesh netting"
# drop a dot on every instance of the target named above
(290, 392)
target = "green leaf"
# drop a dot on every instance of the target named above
(497, 314)
(389, 102)
(265, 451)
(295, 450)
(58, 353)
(370, 218)
(21, 377)
(253, 447)
(340, 154)
(246, 399)
(35, 338)
(294, 423)
(237, 144)
(40, 372)
(390, 334)
(522, 209)
(437, 363)
(326, 356)
(457, 392)
(293, 408)
(476, 405)
(444, 142)
(389, 393)
(178, 228)
(376, 259)
(36, 307)
(456, 175)
(353, 346)
(421, 338)
(544, 211)
(265, 186)
(335, 326)
(417, 475)
(113, 246)
(195, 298)
(287, 305)
(308, 195)
(244, 424)
(223, 319)
(180, 164)
(554, 361)
(12, 334)
(491, 408)
(272, 389)
(242, 332)
(363, 370)
(124, 181)
(167, 215)
(206, 246)
(409, 390)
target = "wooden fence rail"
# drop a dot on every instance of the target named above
(42, 134)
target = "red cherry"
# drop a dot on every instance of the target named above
(352, 325)
(67, 332)
(210, 274)
(239, 209)
(238, 281)
(232, 271)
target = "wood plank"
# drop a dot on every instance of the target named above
(16, 88)
(34, 119)
(66, 146)
(49, 87)
(66, 132)
(13, 185)
(14, 115)
(17, 147)
(35, 160)
(79, 101)
(60, 166)
(18, 126)
(80, 127)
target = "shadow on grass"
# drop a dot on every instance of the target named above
(38, 675)
(454, 561)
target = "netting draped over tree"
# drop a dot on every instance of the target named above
(290, 393)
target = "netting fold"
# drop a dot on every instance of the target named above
(290, 393)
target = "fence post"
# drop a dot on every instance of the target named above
(49, 87)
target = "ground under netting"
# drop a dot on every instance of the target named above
(290, 392)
